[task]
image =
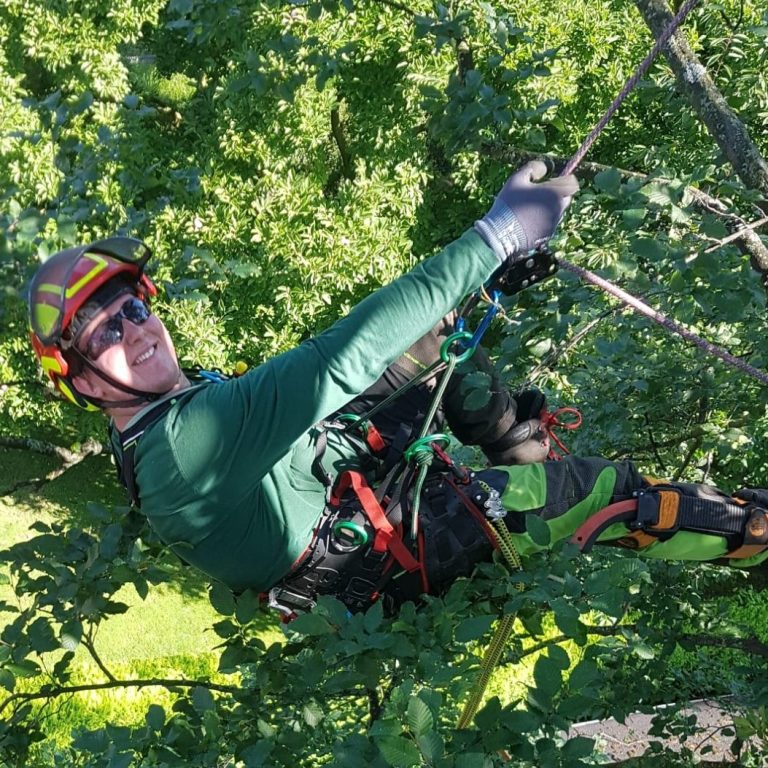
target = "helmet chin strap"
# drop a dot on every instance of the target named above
(140, 397)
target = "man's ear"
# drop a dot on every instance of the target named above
(89, 385)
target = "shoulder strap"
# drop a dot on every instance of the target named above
(129, 438)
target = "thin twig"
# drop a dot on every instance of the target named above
(659, 461)
(88, 643)
(738, 235)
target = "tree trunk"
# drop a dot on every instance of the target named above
(693, 81)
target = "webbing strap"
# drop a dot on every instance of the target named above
(659, 511)
(386, 538)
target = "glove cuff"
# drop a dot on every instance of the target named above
(502, 232)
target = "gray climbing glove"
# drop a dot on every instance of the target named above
(525, 213)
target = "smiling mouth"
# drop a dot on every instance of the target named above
(145, 355)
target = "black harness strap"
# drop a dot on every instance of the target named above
(129, 439)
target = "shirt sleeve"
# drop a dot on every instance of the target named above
(249, 423)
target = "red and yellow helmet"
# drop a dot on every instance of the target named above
(62, 286)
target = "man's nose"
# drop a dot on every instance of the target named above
(132, 333)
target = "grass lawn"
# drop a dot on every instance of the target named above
(165, 635)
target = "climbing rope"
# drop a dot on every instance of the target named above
(664, 321)
(609, 287)
(642, 68)
(503, 631)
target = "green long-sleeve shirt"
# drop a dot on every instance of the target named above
(225, 476)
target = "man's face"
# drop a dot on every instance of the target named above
(138, 354)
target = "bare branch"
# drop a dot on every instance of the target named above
(91, 648)
(337, 131)
(68, 457)
(65, 690)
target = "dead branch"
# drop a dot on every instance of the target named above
(68, 457)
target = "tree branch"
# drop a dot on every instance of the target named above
(396, 6)
(374, 706)
(88, 643)
(341, 143)
(693, 81)
(68, 457)
(65, 690)
(751, 645)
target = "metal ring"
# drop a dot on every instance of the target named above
(452, 339)
(425, 444)
(360, 536)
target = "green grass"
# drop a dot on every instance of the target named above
(165, 635)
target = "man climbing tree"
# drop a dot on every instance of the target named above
(253, 482)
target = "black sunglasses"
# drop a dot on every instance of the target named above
(110, 331)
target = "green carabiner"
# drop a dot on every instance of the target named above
(359, 534)
(452, 339)
(424, 445)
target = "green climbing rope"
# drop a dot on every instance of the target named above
(503, 631)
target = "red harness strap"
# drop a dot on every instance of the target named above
(620, 511)
(387, 538)
(374, 440)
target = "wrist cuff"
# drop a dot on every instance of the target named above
(502, 232)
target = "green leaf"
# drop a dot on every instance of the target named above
(431, 746)
(473, 627)
(399, 751)
(71, 635)
(312, 714)
(311, 624)
(255, 755)
(608, 181)
(470, 760)
(420, 718)
(110, 540)
(202, 699)
(633, 217)
(643, 650)
(584, 675)
(42, 638)
(221, 598)
(155, 717)
(120, 760)
(661, 192)
(559, 657)
(7, 679)
(567, 620)
(548, 676)
(578, 747)
(247, 606)
(24, 668)
(538, 530)
(225, 628)
(373, 617)
(648, 248)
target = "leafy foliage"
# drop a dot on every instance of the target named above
(282, 161)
